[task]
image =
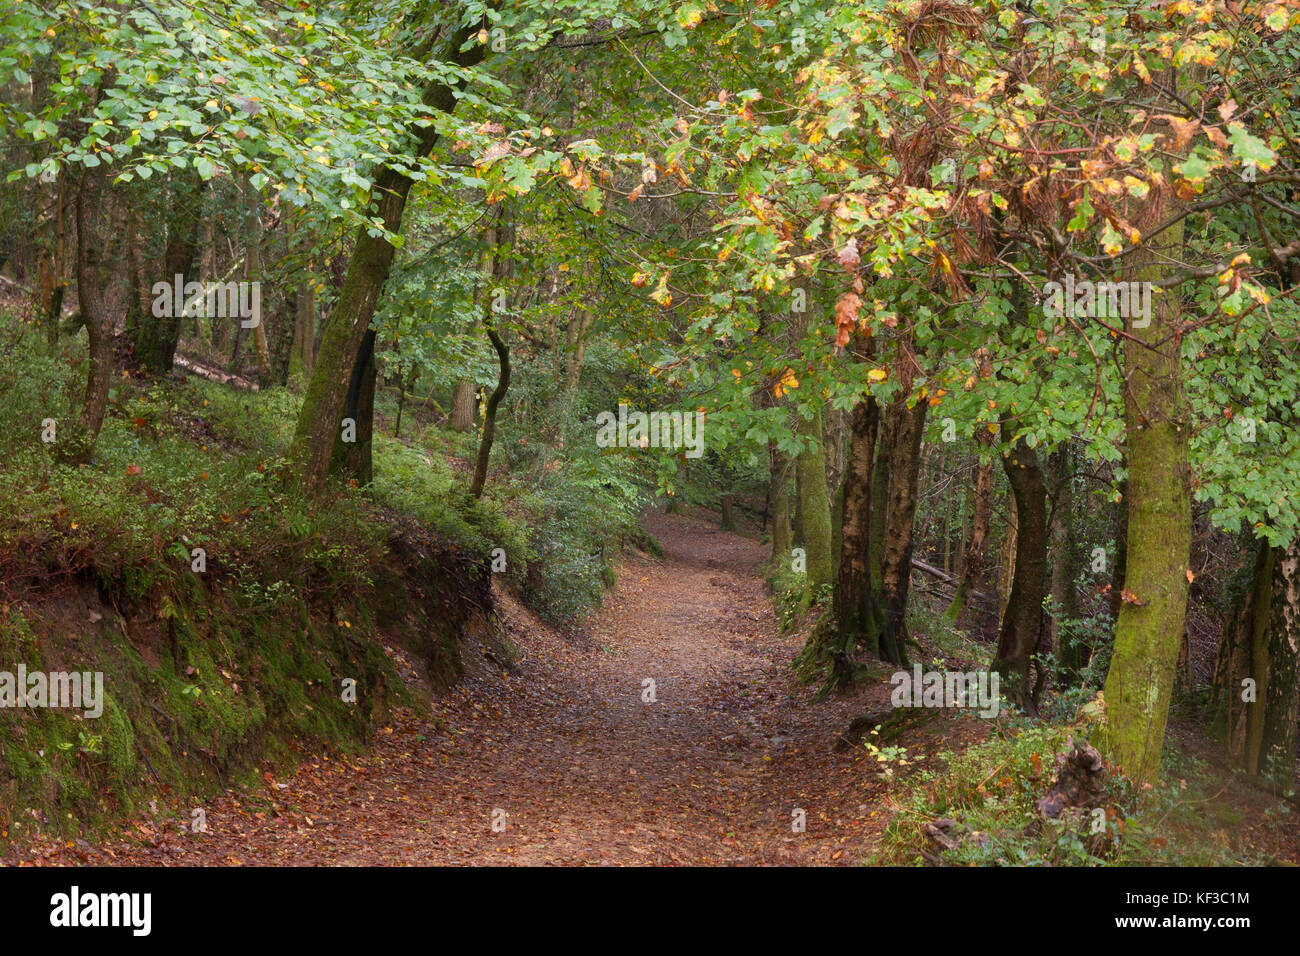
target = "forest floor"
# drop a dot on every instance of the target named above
(567, 755)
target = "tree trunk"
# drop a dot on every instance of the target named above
(575, 342)
(1022, 624)
(137, 303)
(1241, 643)
(859, 616)
(305, 334)
(372, 258)
(254, 273)
(896, 557)
(1276, 756)
(502, 237)
(814, 501)
(728, 518)
(354, 459)
(972, 564)
(58, 285)
(1149, 630)
(780, 498)
(90, 210)
(282, 337)
(490, 413)
(880, 496)
(1255, 679)
(158, 335)
(1072, 655)
(462, 405)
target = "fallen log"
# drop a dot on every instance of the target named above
(214, 374)
(946, 578)
(892, 721)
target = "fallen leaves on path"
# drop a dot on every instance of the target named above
(566, 761)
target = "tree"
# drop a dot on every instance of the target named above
(372, 257)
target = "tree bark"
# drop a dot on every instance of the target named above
(859, 616)
(1021, 628)
(462, 405)
(896, 556)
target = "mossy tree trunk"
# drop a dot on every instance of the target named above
(1149, 630)
(859, 616)
(372, 258)
(814, 501)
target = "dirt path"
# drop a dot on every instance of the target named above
(569, 756)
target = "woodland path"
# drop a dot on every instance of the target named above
(585, 771)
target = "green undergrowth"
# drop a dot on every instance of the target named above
(989, 791)
(560, 523)
(224, 609)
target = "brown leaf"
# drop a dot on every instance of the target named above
(848, 256)
(846, 317)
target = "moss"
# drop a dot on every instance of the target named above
(208, 677)
(815, 503)
(267, 689)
